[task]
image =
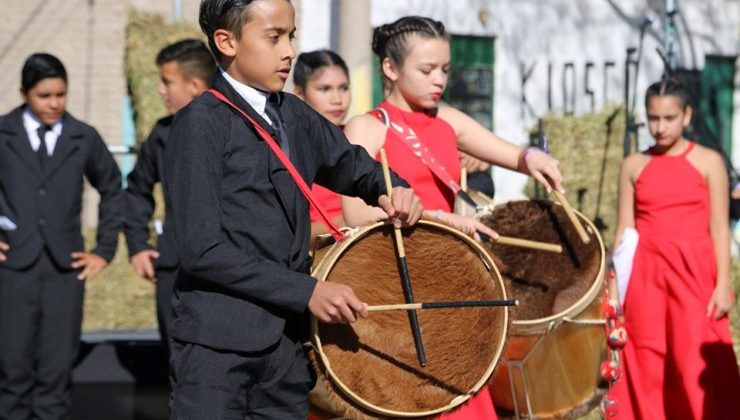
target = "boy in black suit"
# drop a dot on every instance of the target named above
(186, 69)
(241, 225)
(44, 155)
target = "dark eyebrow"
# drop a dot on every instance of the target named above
(434, 64)
(279, 30)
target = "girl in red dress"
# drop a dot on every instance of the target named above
(414, 54)
(678, 362)
(321, 79)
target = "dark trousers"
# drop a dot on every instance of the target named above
(213, 384)
(164, 285)
(40, 322)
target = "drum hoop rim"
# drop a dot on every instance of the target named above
(542, 324)
(488, 261)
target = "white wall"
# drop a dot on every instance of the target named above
(314, 26)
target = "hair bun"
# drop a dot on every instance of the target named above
(381, 35)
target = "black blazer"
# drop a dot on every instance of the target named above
(241, 224)
(46, 205)
(149, 170)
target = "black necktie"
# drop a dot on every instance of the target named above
(273, 112)
(42, 152)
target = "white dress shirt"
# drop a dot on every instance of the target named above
(32, 124)
(255, 98)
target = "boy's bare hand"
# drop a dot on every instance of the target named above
(91, 264)
(3, 249)
(335, 303)
(142, 263)
(406, 208)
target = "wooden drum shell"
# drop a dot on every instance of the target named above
(550, 367)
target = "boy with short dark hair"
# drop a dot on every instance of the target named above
(186, 70)
(241, 224)
(45, 153)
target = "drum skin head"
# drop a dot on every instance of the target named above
(375, 358)
(545, 283)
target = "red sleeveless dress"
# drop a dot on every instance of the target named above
(678, 363)
(440, 138)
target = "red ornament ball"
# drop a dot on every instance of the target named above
(610, 371)
(609, 407)
(617, 338)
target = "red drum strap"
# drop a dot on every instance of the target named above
(335, 232)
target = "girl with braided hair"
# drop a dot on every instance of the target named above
(414, 54)
(422, 138)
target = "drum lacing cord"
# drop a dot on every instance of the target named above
(585, 321)
(555, 323)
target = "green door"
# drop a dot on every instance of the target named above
(717, 89)
(470, 87)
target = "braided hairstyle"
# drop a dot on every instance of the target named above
(390, 40)
(669, 87)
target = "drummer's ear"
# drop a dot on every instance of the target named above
(390, 70)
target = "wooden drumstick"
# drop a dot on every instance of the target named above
(566, 206)
(526, 243)
(403, 268)
(443, 305)
(572, 216)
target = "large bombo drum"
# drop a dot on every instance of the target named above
(550, 367)
(370, 369)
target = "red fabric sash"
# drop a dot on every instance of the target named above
(418, 149)
(335, 232)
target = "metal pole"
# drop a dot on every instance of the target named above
(628, 113)
(670, 34)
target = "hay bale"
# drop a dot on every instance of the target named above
(146, 34)
(590, 152)
(118, 298)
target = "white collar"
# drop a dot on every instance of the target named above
(31, 122)
(254, 97)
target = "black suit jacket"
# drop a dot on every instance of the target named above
(149, 170)
(241, 224)
(46, 205)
